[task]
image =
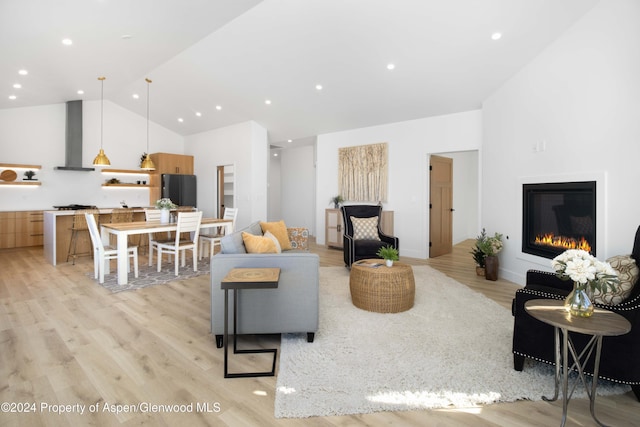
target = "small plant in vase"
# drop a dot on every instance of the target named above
(165, 205)
(30, 174)
(389, 254)
(336, 200)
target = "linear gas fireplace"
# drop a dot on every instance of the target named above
(558, 216)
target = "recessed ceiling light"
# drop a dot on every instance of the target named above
(496, 36)
(80, 92)
(198, 113)
(218, 107)
(125, 36)
(391, 66)
(17, 86)
(289, 140)
(12, 97)
(180, 119)
(275, 154)
(135, 96)
(67, 42)
(23, 72)
(318, 87)
(267, 101)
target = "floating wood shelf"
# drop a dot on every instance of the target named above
(127, 171)
(21, 183)
(127, 185)
(19, 166)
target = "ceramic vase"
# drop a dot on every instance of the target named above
(491, 265)
(479, 270)
(389, 262)
(164, 216)
(578, 302)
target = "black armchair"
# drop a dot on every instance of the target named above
(620, 358)
(357, 249)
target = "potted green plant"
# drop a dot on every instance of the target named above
(477, 253)
(389, 254)
(337, 200)
(29, 174)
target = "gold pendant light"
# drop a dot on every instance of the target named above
(101, 159)
(147, 163)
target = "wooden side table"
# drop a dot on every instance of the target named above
(238, 279)
(601, 323)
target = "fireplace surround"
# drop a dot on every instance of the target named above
(558, 216)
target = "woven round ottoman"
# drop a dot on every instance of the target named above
(382, 289)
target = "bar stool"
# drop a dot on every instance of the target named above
(122, 215)
(80, 225)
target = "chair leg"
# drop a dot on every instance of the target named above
(195, 262)
(159, 250)
(176, 261)
(96, 266)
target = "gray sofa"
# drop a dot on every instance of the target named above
(290, 308)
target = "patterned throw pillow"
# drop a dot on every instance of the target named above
(365, 228)
(628, 273)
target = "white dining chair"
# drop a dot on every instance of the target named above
(210, 241)
(154, 238)
(104, 254)
(188, 222)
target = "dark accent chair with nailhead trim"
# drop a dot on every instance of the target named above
(620, 359)
(355, 250)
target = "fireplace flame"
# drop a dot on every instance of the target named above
(562, 242)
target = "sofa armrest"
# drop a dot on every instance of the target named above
(299, 238)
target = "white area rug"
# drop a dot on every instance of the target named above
(452, 349)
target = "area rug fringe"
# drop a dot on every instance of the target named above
(451, 350)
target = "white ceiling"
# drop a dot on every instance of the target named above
(238, 53)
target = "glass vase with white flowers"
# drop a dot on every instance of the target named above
(588, 275)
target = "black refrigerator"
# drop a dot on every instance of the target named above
(181, 189)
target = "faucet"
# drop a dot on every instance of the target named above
(124, 204)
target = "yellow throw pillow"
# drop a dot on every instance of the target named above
(258, 244)
(278, 229)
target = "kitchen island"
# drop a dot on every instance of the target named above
(57, 233)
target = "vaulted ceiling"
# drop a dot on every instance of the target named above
(214, 63)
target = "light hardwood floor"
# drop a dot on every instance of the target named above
(64, 340)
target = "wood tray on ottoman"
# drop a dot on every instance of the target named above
(382, 289)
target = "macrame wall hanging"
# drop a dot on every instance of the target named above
(362, 173)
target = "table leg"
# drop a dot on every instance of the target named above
(594, 384)
(225, 336)
(558, 360)
(123, 258)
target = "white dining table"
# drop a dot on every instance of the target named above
(122, 230)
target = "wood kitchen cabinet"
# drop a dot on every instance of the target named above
(167, 163)
(22, 228)
(7, 230)
(29, 228)
(334, 227)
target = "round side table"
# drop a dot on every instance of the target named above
(382, 289)
(601, 323)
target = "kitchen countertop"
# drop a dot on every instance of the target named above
(102, 211)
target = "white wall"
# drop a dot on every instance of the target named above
(410, 144)
(298, 187)
(579, 102)
(245, 147)
(36, 135)
(274, 212)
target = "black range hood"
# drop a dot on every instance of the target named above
(73, 139)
